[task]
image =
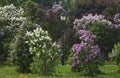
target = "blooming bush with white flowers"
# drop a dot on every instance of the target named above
(13, 15)
(45, 53)
(11, 19)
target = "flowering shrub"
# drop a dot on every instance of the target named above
(85, 21)
(11, 18)
(45, 53)
(102, 28)
(86, 54)
(20, 52)
(13, 15)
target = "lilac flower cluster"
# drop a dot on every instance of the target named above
(86, 36)
(84, 22)
(93, 53)
(117, 18)
(116, 25)
(56, 7)
(86, 51)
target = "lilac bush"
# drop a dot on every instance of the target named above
(85, 21)
(45, 53)
(86, 53)
(102, 28)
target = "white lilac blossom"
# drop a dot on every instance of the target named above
(44, 52)
(85, 21)
(39, 39)
(12, 14)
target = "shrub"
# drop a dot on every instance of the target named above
(86, 56)
(102, 28)
(45, 53)
(11, 18)
(20, 52)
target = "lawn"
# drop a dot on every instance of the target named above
(108, 71)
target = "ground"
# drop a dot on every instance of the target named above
(108, 71)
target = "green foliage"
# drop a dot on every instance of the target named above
(47, 3)
(8, 2)
(4, 41)
(105, 7)
(116, 53)
(34, 12)
(106, 37)
(21, 55)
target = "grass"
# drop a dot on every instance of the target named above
(108, 71)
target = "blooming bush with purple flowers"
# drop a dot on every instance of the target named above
(85, 21)
(86, 53)
(102, 28)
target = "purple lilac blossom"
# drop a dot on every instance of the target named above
(86, 45)
(117, 25)
(85, 36)
(56, 7)
(86, 20)
(117, 18)
(117, 21)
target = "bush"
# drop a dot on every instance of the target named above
(86, 56)
(10, 19)
(21, 55)
(45, 53)
(107, 32)
(106, 37)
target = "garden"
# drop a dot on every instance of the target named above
(59, 38)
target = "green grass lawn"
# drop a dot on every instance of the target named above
(108, 71)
